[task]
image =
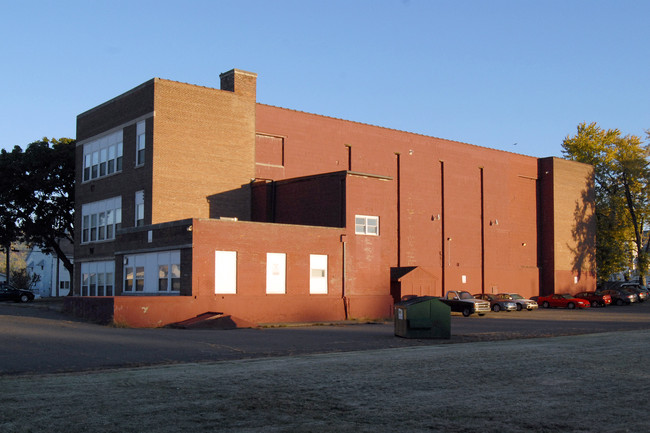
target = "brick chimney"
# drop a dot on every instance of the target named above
(241, 82)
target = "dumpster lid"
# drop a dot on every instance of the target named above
(414, 300)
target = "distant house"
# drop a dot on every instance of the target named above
(54, 278)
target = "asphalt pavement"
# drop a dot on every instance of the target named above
(37, 338)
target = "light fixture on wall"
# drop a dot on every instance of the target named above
(495, 222)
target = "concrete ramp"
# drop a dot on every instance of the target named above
(212, 320)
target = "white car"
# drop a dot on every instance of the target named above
(522, 303)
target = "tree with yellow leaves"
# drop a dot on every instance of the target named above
(622, 185)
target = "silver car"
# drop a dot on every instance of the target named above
(522, 303)
(497, 304)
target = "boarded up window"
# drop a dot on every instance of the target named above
(269, 150)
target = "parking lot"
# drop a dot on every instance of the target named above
(37, 338)
(493, 375)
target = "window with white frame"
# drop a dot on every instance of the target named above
(317, 274)
(139, 208)
(140, 143)
(225, 272)
(153, 272)
(97, 278)
(366, 225)
(276, 269)
(103, 156)
(100, 220)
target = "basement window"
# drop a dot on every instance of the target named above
(366, 225)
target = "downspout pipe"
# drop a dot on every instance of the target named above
(344, 276)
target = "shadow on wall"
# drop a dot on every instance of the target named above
(583, 232)
(235, 203)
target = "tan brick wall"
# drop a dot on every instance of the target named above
(574, 222)
(203, 154)
(568, 226)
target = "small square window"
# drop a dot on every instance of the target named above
(366, 225)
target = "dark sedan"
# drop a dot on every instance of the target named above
(596, 299)
(10, 293)
(619, 296)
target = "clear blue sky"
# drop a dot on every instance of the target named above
(491, 72)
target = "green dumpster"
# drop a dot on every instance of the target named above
(422, 317)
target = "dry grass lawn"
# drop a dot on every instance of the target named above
(588, 383)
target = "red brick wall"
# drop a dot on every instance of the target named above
(252, 241)
(488, 257)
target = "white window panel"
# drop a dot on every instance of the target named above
(276, 273)
(225, 272)
(317, 274)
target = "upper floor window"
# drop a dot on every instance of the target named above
(101, 219)
(366, 225)
(140, 143)
(103, 156)
(139, 208)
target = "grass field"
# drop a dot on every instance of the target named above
(587, 383)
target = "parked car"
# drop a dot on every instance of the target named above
(522, 303)
(640, 290)
(595, 299)
(620, 296)
(461, 301)
(497, 304)
(563, 300)
(10, 293)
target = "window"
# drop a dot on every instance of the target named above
(109, 283)
(97, 278)
(93, 227)
(140, 143)
(276, 273)
(128, 278)
(101, 283)
(101, 229)
(225, 272)
(139, 278)
(101, 219)
(85, 231)
(103, 156)
(176, 277)
(153, 272)
(366, 225)
(139, 208)
(102, 162)
(85, 281)
(163, 278)
(317, 274)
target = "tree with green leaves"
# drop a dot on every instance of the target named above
(37, 195)
(622, 186)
